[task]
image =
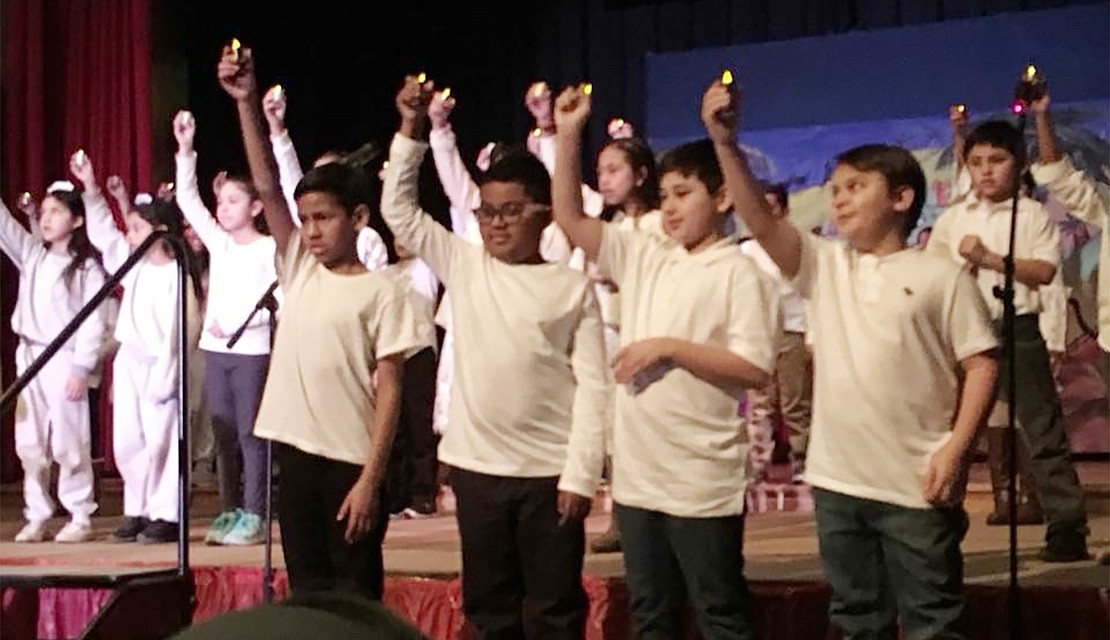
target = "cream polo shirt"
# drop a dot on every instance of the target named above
(889, 334)
(679, 446)
(334, 329)
(531, 392)
(1037, 238)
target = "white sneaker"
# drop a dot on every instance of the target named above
(31, 532)
(75, 532)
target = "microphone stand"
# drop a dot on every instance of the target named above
(1005, 293)
(268, 302)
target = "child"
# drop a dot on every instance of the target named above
(528, 419)
(241, 271)
(414, 487)
(698, 328)
(145, 404)
(975, 233)
(903, 380)
(371, 248)
(340, 325)
(59, 273)
(789, 391)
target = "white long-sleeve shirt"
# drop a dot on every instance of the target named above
(372, 252)
(45, 305)
(1085, 203)
(239, 274)
(531, 395)
(147, 325)
(421, 287)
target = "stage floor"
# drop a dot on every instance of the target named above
(779, 544)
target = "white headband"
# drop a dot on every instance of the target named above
(143, 198)
(61, 185)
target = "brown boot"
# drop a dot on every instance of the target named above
(998, 457)
(608, 542)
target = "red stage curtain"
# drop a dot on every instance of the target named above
(76, 74)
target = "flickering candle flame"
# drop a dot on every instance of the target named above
(25, 199)
(587, 88)
(169, 186)
(1030, 72)
(617, 123)
(80, 157)
(278, 91)
(537, 132)
(538, 88)
(235, 46)
(446, 93)
(726, 78)
(961, 108)
(385, 165)
(421, 77)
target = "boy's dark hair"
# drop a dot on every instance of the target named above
(696, 159)
(639, 156)
(1001, 134)
(519, 166)
(349, 186)
(900, 169)
(778, 190)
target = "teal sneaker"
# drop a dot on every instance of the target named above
(221, 526)
(247, 530)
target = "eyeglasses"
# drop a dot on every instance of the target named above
(510, 212)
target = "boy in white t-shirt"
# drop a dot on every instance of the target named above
(904, 371)
(699, 325)
(340, 326)
(530, 396)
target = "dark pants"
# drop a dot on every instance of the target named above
(522, 571)
(413, 464)
(885, 562)
(1041, 421)
(666, 557)
(233, 384)
(317, 556)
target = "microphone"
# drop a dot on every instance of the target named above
(267, 301)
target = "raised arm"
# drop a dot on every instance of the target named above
(1067, 184)
(572, 109)
(779, 238)
(236, 75)
(461, 190)
(415, 229)
(187, 192)
(289, 166)
(101, 227)
(15, 241)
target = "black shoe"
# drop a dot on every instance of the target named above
(1069, 546)
(158, 531)
(424, 506)
(130, 530)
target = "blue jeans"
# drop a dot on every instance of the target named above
(666, 557)
(885, 562)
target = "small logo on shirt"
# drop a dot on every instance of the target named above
(908, 291)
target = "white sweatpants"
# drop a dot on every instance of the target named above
(441, 406)
(52, 428)
(144, 440)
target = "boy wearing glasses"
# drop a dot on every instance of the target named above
(530, 409)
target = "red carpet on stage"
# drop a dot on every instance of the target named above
(783, 610)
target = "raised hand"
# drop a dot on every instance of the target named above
(185, 131)
(720, 110)
(28, 205)
(118, 190)
(81, 166)
(572, 109)
(1040, 105)
(235, 72)
(273, 107)
(958, 117)
(538, 101)
(440, 108)
(218, 182)
(412, 103)
(620, 129)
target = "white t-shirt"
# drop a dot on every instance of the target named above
(1037, 238)
(334, 329)
(679, 446)
(793, 305)
(531, 393)
(889, 334)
